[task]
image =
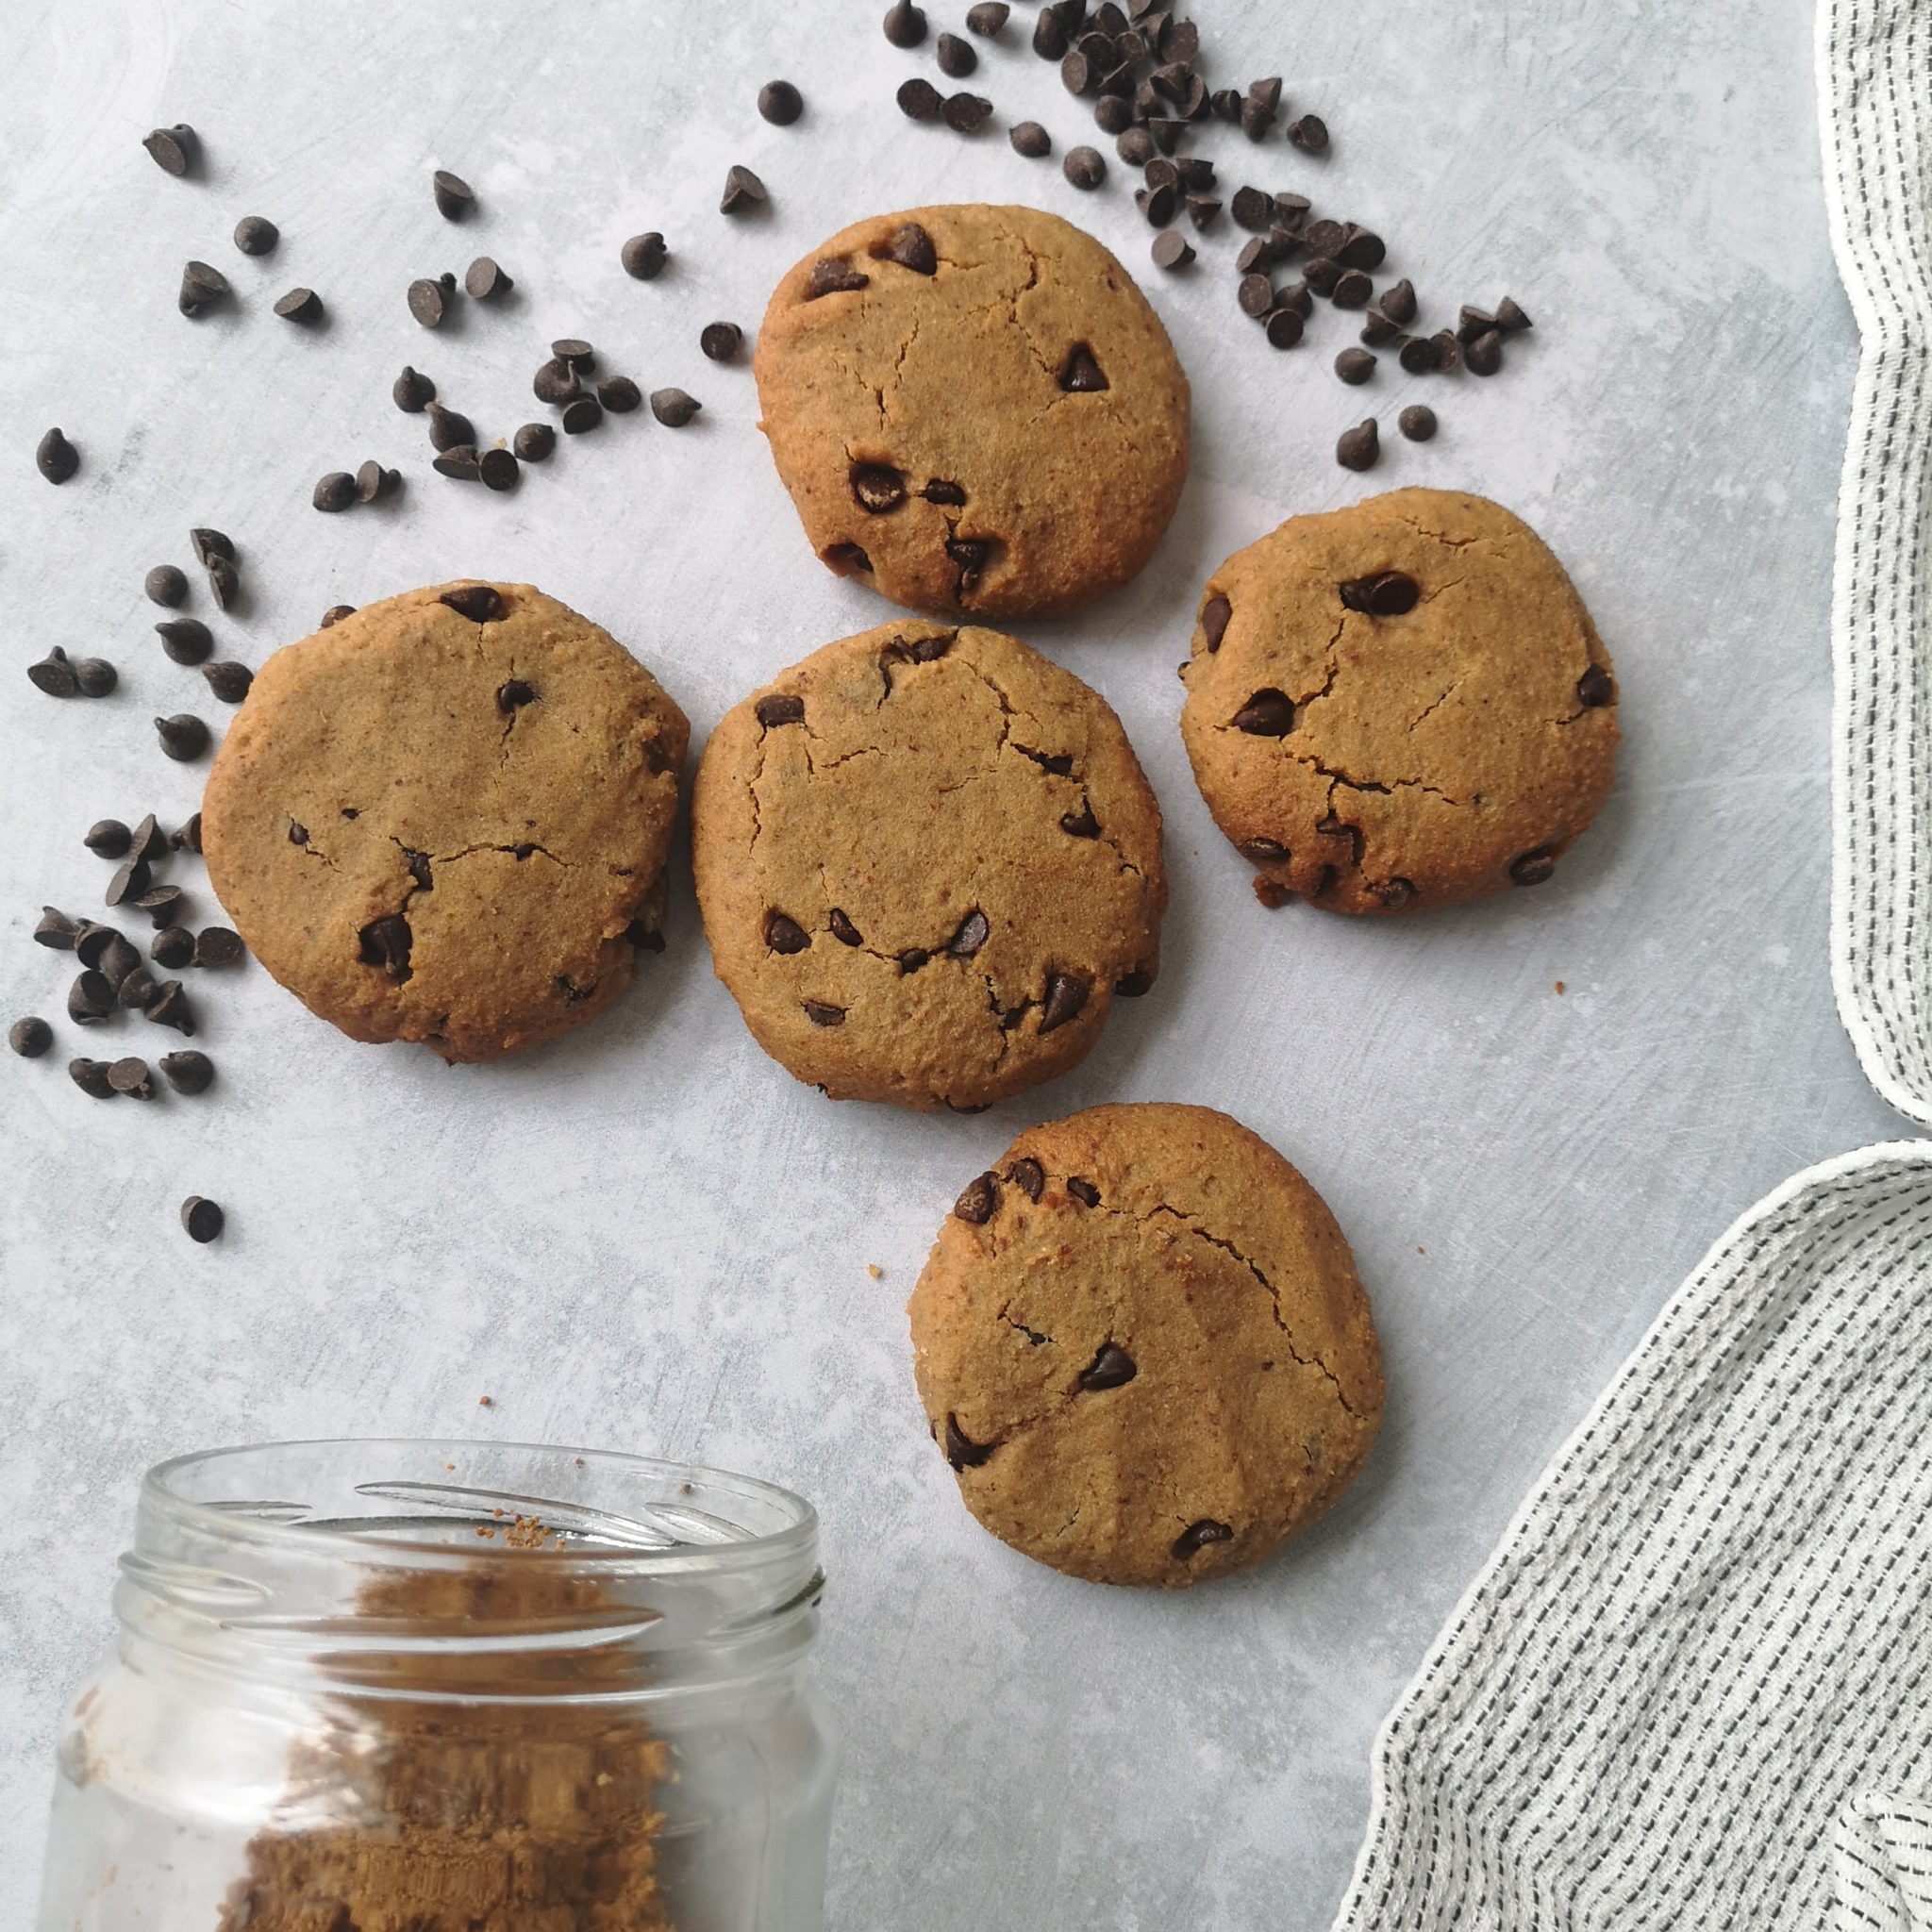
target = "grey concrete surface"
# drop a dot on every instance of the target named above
(647, 1236)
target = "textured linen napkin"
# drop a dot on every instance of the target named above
(1693, 1686)
(1874, 80)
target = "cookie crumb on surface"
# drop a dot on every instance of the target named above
(1559, 986)
(874, 1269)
(486, 1402)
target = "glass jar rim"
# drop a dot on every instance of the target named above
(265, 1523)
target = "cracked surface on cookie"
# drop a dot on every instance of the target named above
(433, 828)
(924, 878)
(1049, 495)
(1450, 751)
(1140, 1344)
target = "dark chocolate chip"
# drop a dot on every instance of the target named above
(1269, 713)
(455, 198)
(55, 931)
(172, 946)
(1417, 355)
(1322, 272)
(187, 1071)
(450, 428)
(91, 941)
(1031, 138)
(644, 255)
(843, 928)
(461, 463)
(1354, 366)
(91, 998)
(223, 582)
(208, 544)
(919, 100)
(117, 960)
(1352, 289)
(913, 958)
(335, 491)
(1417, 422)
(257, 235)
(556, 381)
(372, 481)
(186, 640)
(533, 443)
(672, 408)
(1080, 374)
(618, 393)
(174, 150)
(412, 392)
(1065, 996)
(831, 277)
(386, 943)
(217, 945)
(107, 838)
(956, 56)
(202, 1219)
(480, 603)
(822, 1014)
(170, 1008)
(939, 490)
(966, 114)
(721, 340)
(1158, 203)
(91, 1076)
(877, 487)
(1533, 867)
(987, 19)
(1135, 147)
(1309, 134)
(1050, 34)
(1214, 616)
(1393, 892)
(912, 248)
(1083, 1191)
(1262, 851)
(95, 677)
(580, 416)
(1081, 823)
(1198, 1535)
(187, 837)
(742, 190)
(1509, 316)
(131, 1077)
(1377, 329)
(485, 280)
(1256, 295)
(299, 305)
(962, 1452)
(1485, 355)
(162, 903)
(1595, 689)
(972, 554)
(1285, 328)
(1448, 350)
(1172, 249)
(784, 935)
(780, 103)
(905, 24)
(515, 695)
(1111, 1367)
(1113, 114)
(979, 1200)
(418, 866)
(1252, 209)
(972, 935)
(30, 1037)
(202, 287)
(1361, 248)
(1359, 448)
(1028, 1175)
(1398, 302)
(165, 585)
(781, 707)
(846, 557)
(427, 302)
(184, 736)
(1084, 167)
(53, 674)
(56, 458)
(1388, 593)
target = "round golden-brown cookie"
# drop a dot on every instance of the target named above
(927, 860)
(974, 409)
(446, 818)
(1399, 705)
(1142, 1346)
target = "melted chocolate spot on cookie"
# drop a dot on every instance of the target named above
(1393, 892)
(1081, 823)
(1110, 1369)
(843, 930)
(1028, 1175)
(480, 603)
(1533, 867)
(386, 943)
(822, 1014)
(513, 696)
(978, 1200)
(1065, 996)
(973, 555)
(1388, 593)
(1267, 714)
(1214, 616)
(1198, 1535)
(962, 1452)
(939, 490)
(1262, 851)
(780, 708)
(1135, 985)
(418, 863)
(830, 277)
(1081, 373)
(784, 935)
(1595, 688)
(911, 247)
(845, 558)
(972, 935)
(1059, 763)
(877, 488)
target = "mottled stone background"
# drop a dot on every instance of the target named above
(647, 1236)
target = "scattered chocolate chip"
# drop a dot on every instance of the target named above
(1252, 209)
(672, 408)
(1081, 823)
(720, 340)
(450, 428)
(208, 544)
(1080, 374)
(1417, 355)
(973, 933)
(204, 1220)
(480, 603)
(55, 931)
(533, 443)
(742, 190)
(91, 998)
(53, 674)
(372, 481)
(412, 392)
(165, 585)
(1484, 356)
(1050, 34)
(784, 934)
(962, 1451)
(830, 277)
(966, 114)
(919, 100)
(91, 1076)
(1417, 422)
(1028, 1175)
(172, 946)
(202, 287)
(956, 56)
(582, 415)
(877, 487)
(1113, 114)
(170, 1008)
(820, 1014)
(912, 248)
(987, 19)
(1388, 593)
(1065, 996)
(162, 903)
(1309, 134)
(91, 941)
(618, 393)
(1359, 448)
(978, 1200)
(781, 707)
(515, 695)
(427, 302)
(1255, 296)
(1352, 289)
(455, 198)
(1595, 688)
(1028, 138)
(1084, 167)
(556, 381)
(780, 103)
(130, 1076)
(1398, 303)
(223, 582)
(186, 640)
(1135, 146)
(229, 680)
(1472, 323)
(1172, 249)
(1448, 350)
(939, 490)
(1198, 1535)
(485, 280)
(147, 841)
(116, 960)
(1269, 713)
(187, 1071)
(905, 24)
(174, 150)
(300, 304)
(1322, 273)
(1113, 1365)
(107, 838)
(56, 458)
(187, 837)
(1509, 316)
(843, 928)
(461, 463)
(95, 677)
(644, 255)
(1354, 366)
(335, 491)
(184, 736)
(1533, 867)
(1377, 329)
(30, 1037)
(1285, 328)
(913, 958)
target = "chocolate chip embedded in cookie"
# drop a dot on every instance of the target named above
(927, 861)
(1399, 705)
(1140, 1344)
(445, 817)
(974, 409)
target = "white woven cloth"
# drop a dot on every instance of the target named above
(1693, 1687)
(1875, 76)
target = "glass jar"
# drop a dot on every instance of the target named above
(454, 1686)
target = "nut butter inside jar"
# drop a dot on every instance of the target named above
(450, 1686)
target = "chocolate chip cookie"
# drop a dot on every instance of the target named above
(444, 818)
(1399, 705)
(974, 409)
(927, 861)
(1140, 1344)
